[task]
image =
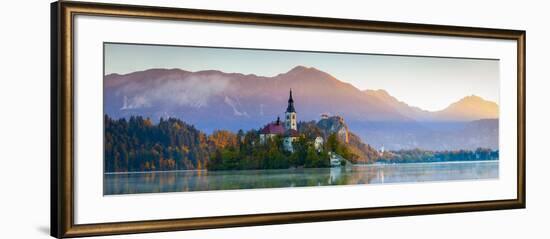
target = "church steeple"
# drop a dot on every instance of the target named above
(290, 114)
(290, 107)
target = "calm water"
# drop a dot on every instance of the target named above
(184, 181)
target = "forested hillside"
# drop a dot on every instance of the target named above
(137, 144)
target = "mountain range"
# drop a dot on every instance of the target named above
(217, 100)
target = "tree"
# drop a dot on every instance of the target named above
(222, 138)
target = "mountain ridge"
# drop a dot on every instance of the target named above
(379, 96)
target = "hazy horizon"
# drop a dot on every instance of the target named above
(443, 80)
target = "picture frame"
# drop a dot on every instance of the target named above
(63, 117)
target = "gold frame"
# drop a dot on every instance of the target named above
(62, 118)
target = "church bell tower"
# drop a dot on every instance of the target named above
(290, 120)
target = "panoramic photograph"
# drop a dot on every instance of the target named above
(190, 118)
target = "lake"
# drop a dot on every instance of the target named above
(202, 180)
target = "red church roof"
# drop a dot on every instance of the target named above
(273, 128)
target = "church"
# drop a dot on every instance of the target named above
(288, 129)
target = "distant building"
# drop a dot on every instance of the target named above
(324, 116)
(335, 159)
(271, 130)
(319, 141)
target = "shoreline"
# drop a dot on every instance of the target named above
(435, 162)
(359, 165)
(163, 171)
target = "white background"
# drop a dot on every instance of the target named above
(24, 205)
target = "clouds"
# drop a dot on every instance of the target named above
(135, 102)
(176, 90)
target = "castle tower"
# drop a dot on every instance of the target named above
(290, 121)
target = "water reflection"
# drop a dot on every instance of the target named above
(183, 181)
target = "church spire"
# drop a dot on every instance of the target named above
(290, 107)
